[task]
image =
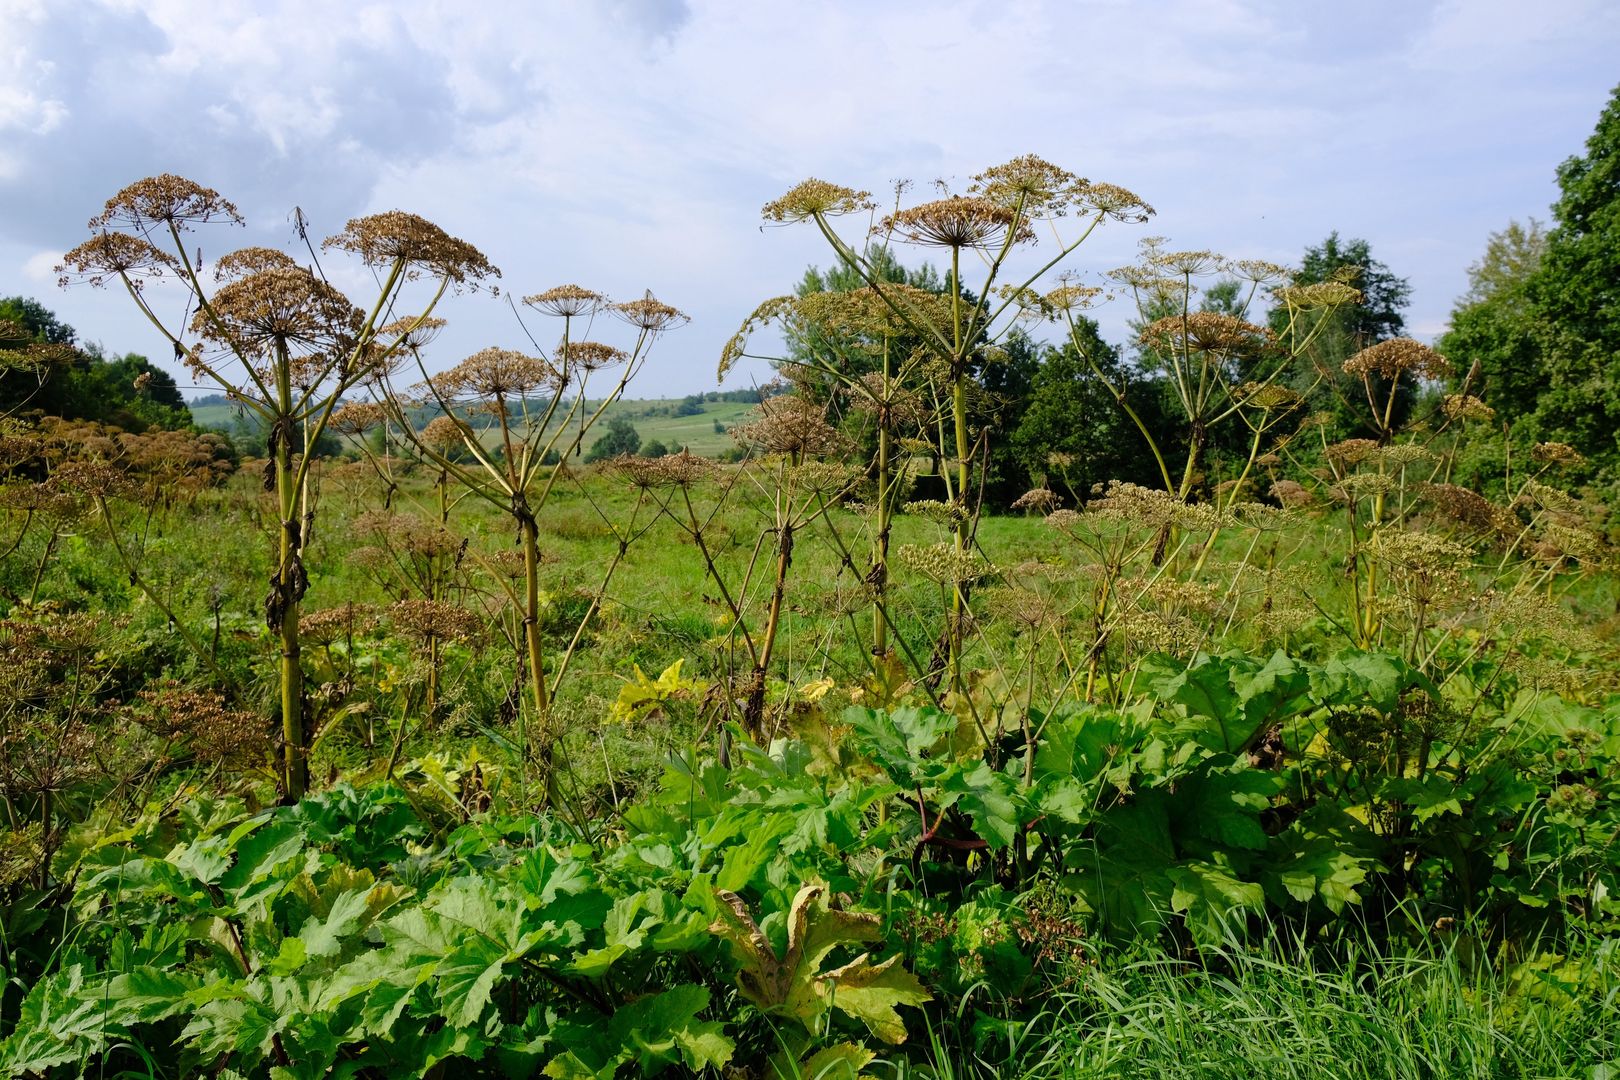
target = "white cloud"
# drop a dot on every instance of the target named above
(41, 266)
(629, 144)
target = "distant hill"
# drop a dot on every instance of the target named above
(654, 419)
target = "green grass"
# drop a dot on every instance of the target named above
(1274, 1012)
(652, 419)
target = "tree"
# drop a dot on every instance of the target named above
(38, 320)
(80, 382)
(618, 437)
(1072, 412)
(1574, 300)
(1493, 325)
(1345, 330)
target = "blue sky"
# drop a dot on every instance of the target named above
(628, 144)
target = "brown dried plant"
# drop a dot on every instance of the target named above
(280, 341)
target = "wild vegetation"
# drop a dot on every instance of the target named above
(1001, 703)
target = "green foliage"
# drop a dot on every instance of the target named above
(81, 383)
(1345, 330)
(618, 437)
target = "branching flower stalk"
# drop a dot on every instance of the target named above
(998, 213)
(282, 343)
(504, 444)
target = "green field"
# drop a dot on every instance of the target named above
(652, 419)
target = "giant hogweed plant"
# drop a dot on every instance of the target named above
(507, 421)
(999, 213)
(280, 340)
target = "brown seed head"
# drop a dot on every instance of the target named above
(412, 332)
(1390, 358)
(959, 221)
(1466, 407)
(444, 433)
(589, 355)
(567, 301)
(1205, 331)
(251, 260)
(111, 255)
(164, 200)
(650, 314)
(328, 625)
(357, 417)
(417, 245)
(1113, 201)
(424, 619)
(1041, 500)
(1030, 184)
(816, 198)
(789, 425)
(1557, 453)
(495, 372)
(282, 308)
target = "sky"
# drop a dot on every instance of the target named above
(628, 145)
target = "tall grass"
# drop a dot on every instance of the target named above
(1389, 1012)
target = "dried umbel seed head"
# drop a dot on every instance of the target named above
(444, 433)
(1557, 453)
(1401, 455)
(96, 479)
(1466, 407)
(816, 198)
(278, 308)
(1186, 263)
(1351, 451)
(112, 255)
(1291, 493)
(588, 356)
(1030, 184)
(650, 314)
(1268, 396)
(1391, 358)
(1026, 608)
(567, 301)
(1321, 294)
(164, 200)
(1259, 271)
(1113, 201)
(495, 372)
(1070, 297)
(1151, 507)
(250, 260)
(960, 221)
(424, 619)
(1205, 331)
(789, 425)
(357, 417)
(215, 734)
(943, 563)
(43, 501)
(896, 407)
(415, 244)
(1464, 506)
(948, 514)
(1417, 552)
(1040, 500)
(412, 333)
(672, 470)
(332, 624)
